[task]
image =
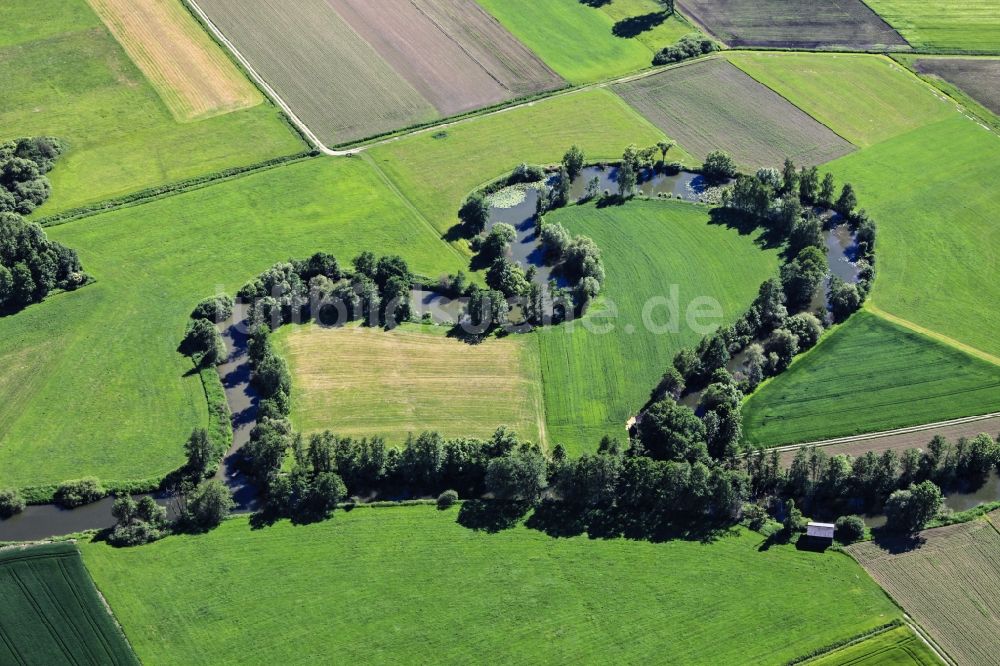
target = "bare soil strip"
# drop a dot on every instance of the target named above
(193, 76)
(899, 440)
(331, 78)
(978, 77)
(798, 24)
(948, 580)
(711, 104)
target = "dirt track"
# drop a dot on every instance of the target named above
(901, 439)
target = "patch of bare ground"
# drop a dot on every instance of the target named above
(906, 440)
(330, 77)
(191, 73)
(948, 580)
(454, 53)
(800, 24)
(979, 78)
(712, 104)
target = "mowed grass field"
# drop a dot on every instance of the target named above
(51, 613)
(896, 647)
(948, 581)
(933, 194)
(574, 39)
(712, 105)
(802, 24)
(69, 78)
(595, 381)
(866, 376)
(865, 99)
(361, 382)
(409, 585)
(647, 18)
(437, 170)
(91, 382)
(944, 25)
(193, 75)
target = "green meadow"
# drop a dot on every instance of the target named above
(933, 194)
(91, 381)
(869, 375)
(863, 98)
(594, 381)
(437, 170)
(51, 613)
(409, 585)
(121, 136)
(572, 38)
(944, 25)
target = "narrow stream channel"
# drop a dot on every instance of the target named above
(41, 521)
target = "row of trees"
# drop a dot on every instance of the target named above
(23, 165)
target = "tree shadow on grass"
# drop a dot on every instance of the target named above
(491, 515)
(634, 26)
(746, 225)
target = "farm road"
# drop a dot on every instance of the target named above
(899, 439)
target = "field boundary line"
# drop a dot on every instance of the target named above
(934, 335)
(385, 178)
(928, 641)
(849, 439)
(259, 80)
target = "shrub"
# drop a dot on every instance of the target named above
(849, 528)
(209, 505)
(806, 327)
(71, 494)
(10, 503)
(718, 166)
(215, 308)
(203, 343)
(446, 499)
(688, 46)
(525, 173)
(138, 522)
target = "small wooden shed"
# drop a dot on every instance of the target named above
(820, 532)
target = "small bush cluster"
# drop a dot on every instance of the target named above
(11, 503)
(688, 46)
(23, 165)
(138, 522)
(76, 493)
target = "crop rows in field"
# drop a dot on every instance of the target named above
(801, 24)
(869, 375)
(948, 579)
(193, 75)
(713, 105)
(979, 78)
(51, 613)
(350, 69)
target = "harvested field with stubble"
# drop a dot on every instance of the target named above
(363, 382)
(333, 80)
(948, 579)
(452, 52)
(191, 73)
(979, 78)
(713, 105)
(801, 24)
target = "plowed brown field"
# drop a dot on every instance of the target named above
(949, 581)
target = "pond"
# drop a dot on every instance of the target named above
(957, 501)
(684, 184)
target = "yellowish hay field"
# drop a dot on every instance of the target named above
(191, 73)
(364, 381)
